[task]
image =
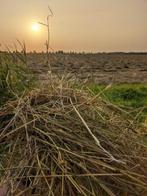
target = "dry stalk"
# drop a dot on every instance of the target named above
(95, 139)
(47, 25)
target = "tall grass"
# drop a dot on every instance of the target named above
(15, 75)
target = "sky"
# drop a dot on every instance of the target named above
(77, 25)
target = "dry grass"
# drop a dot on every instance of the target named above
(61, 141)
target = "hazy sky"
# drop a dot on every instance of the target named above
(80, 25)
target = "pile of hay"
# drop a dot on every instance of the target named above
(62, 141)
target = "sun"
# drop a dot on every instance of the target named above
(35, 27)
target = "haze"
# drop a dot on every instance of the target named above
(77, 25)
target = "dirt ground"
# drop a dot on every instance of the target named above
(99, 68)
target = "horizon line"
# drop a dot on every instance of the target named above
(81, 52)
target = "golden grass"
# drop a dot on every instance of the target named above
(58, 140)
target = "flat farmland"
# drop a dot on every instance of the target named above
(100, 68)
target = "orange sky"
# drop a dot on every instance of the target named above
(79, 25)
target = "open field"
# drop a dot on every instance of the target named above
(125, 72)
(96, 68)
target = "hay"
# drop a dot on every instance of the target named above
(61, 141)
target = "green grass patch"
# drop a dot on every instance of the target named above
(129, 96)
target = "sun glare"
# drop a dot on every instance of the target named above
(35, 27)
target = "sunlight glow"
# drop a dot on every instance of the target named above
(35, 27)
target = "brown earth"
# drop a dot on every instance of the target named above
(98, 68)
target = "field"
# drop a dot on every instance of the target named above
(96, 68)
(127, 72)
(79, 130)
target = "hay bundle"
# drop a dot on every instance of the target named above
(61, 141)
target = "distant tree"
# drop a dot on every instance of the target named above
(60, 52)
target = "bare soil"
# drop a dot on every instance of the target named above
(98, 68)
